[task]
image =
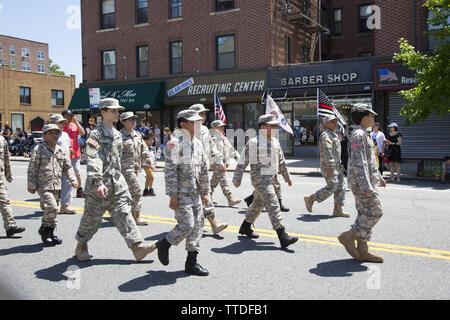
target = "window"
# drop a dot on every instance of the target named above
(174, 9)
(16, 121)
(41, 68)
(176, 57)
(40, 55)
(142, 61)
(57, 98)
(432, 29)
(365, 54)
(12, 65)
(109, 64)
(25, 66)
(1, 62)
(25, 95)
(287, 50)
(108, 14)
(364, 12)
(222, 5)
(337, 22)
(12, 50)
(25, 52)
(1, 47)
(225, 52)
(306, 51)
(141, 11)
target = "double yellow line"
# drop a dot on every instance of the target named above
(406, 250)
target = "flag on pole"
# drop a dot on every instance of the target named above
(272, 108)
(325, 107)
(220, 115)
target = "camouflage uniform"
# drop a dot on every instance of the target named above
(134, 152)
(363, 176)
(266, 158)
(5, 174)
(186, 175)
(104, 151)
(45, 171)
(330, 157)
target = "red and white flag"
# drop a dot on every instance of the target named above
(220, 115)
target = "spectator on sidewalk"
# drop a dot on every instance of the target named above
(6, 133)
(379, 138)
(149, 168)
(445, 176)
(394, 142)
(73, 129)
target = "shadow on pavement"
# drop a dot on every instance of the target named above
(35, 215)
(338, 268)
(30, 248)
(157, 237)
(314, 217)
(58, 271)
(245, 244)
(152, 279)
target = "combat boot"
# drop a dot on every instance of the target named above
(282, 207)
(11, 231)
(140, 250)
(216, 226)
(163, 251)
(338, 212)
(192, 267)
(232, 201)
(249, 200)
(309, 201)
(245, 229)
(66, 210)
(82, 253)
(45, 236)
(55, 239)
(364, 253)
(347, 239)
(285, 239)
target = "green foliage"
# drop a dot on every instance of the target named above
(55, 69)
(432, 93)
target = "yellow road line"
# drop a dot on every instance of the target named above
(407, 250)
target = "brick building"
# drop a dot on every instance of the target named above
(21, 54)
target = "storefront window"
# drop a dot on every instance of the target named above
(235, 116)
(252, 112)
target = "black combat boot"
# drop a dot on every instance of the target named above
(285, 239)
(249, 200)
(192, 267)
(247, 230)
(163, 251)
(46, 236)
(282, 207)
(11, 231)
(55, 239)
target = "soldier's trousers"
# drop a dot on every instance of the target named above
(218, 176)
(190, 222)
(335, 185)
(131, 178)
(49, 203)
(119, 209)
(265, 196)
(369, 213)
(277, 187)
(5, 208)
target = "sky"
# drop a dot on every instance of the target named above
(56, 22)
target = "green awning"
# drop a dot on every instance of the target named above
(133, 96)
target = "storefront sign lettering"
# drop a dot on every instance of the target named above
(125, 96)
(229, 87)
(319, 79)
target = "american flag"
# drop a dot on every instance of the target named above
(220, 115)
(325, 107)
(386, 74)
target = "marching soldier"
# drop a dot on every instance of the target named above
(224, 146)
(363, 177)
(265, 157)
(45, 170)
(214, 156)
(106, 188)
(187, 185)
(277, 187)
(5, 205)
(330, 165)
(134, 151)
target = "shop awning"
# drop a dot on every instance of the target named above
(133, 96)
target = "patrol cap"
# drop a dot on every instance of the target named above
(362, 107)
(218, 123)
(127, 115)
(189, 115)
(110, 103)
(198, 107)
(49, 127)
(393, 124)
(57, 118)
(268, 118)
(329, 117)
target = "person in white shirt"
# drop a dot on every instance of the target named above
(66, 185)
(380, 139)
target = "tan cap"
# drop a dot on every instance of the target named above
(218, 123)
(49, 127)
(362, 107)
(198, 107)
(127, 115)
(268, 118)
(110, 103)
(190, 115)
(329, 117)
(57, 118)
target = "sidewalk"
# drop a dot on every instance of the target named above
(309, 167)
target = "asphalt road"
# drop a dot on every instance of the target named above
(413, 236)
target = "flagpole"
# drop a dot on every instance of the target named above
(317, 126)
(215, 106)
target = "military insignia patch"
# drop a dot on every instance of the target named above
(356, 144)
(170, 146)
(92, 142)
